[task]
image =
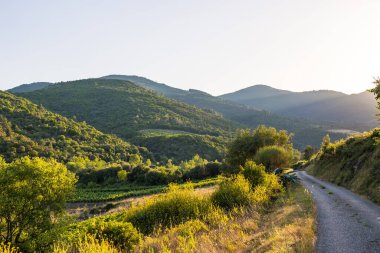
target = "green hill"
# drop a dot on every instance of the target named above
(353, 163)
(166, 144)
(29, 87)
(123, 108)
(306, 132)
(29, 129)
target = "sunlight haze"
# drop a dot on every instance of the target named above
(214, 46)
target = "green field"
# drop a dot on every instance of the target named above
(110, 193)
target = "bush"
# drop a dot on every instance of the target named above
(273, 185)
(175, 207)
(254, 173)
(122, 175)
(122, 234)
(89, 244)
(273, 157)
(248, 142)
(8, 248)
(235, 192)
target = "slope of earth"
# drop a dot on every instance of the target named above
(123, 108)
(306, 132)
(165, 144)
(29, 87)
(29, 129)
(353, 163)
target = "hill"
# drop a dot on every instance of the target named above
(165, 144)
(353, 163)
(29, 87)
(123, 108)
(306, 132)
(355, 112)
(29, 129)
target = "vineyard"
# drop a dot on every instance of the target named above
(111, 193)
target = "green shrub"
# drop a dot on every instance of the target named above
(8, 248)
(89, 244)
(273, 157)
(248, 142)
(273, 185)
(254, 173)
(122, 234)
(178, 205)
(235, 192)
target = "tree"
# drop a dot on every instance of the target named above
(376, 91)
(326, 142)
(308, 152)
(32, 198)
(248, 142)
(122, 175)
(254, 173)
(135, 160)
(273, 157)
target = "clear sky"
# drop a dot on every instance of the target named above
(212, 45)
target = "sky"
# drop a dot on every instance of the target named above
(212, 45)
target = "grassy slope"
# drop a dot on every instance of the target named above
(122, 108)
(353, 163)
(29, 129)
(287, 226)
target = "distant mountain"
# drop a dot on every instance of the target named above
(123, 108)
(29, 129)
(148, 84)
(355, 112)
(30, 87)
(257, 91)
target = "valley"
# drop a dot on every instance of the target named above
(189, 126)
(179, 160)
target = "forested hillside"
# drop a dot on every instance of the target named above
(306, 132)
(124, 109)
(29, 87)
(29, 129)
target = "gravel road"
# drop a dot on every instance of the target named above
(345, 221)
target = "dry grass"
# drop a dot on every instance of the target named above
(287, 227)
(290, 227)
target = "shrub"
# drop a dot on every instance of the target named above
(122, 234)
(248, 142)
(273, 185)
(178, 205)
(254, 173)
(273, 157)
(89, 244)
(122, 175)
(8, 248)
(235, 192)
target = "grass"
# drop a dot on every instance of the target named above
(352, 163)
(182, 220)
(287, 226)
(290, 225)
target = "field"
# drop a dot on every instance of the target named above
(112, 193)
